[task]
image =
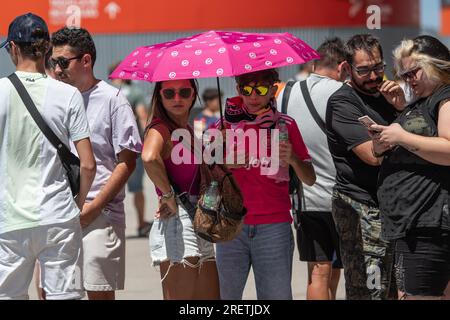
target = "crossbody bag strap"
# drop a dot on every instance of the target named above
(31, 107)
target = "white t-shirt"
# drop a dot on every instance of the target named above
(113, 128)
(317, 197)
(34, 189)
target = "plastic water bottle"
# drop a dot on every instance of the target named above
(283, 170)
(211, 199)
(206, 139)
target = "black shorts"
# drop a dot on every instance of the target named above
(317, 238)
(422, 262)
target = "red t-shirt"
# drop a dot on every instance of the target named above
(266, 200)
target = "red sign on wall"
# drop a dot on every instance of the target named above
(137, 16)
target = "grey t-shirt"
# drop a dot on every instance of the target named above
(317, 197)
(113, 128)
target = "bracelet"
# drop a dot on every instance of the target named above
(168, 195)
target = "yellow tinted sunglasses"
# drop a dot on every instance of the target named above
(260, 90)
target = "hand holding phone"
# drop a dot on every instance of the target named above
(366, 121)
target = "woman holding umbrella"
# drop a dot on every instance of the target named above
(187, 262)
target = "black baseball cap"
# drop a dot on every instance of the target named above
(25, 28)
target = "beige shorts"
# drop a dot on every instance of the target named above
(57, 247)
(104, 255)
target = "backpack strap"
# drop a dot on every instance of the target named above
(286, 95)
(295, 185)
(311, 108)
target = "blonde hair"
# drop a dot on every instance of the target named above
(437, 69)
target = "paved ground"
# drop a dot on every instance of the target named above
(143, 281)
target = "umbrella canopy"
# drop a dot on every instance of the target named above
(214, 54)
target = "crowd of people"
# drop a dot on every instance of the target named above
(372, 158)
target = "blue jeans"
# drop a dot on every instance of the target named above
(269, 249)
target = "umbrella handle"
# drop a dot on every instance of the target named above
(221, 112)
(220, 103)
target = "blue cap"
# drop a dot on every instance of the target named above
(25, 29)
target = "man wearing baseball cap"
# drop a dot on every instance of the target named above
(39, 218)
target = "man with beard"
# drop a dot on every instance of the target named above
(367, 259)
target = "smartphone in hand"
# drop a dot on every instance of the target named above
(366, 121)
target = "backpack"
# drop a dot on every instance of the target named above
(225, 223)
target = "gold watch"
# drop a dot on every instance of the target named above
(168, 195)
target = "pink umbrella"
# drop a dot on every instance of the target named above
(214, 54)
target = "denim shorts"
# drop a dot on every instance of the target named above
(174, 240)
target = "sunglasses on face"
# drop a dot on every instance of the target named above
(260, 90)
(62, 62)
(365, 71)
(184, 93)
(8, 47)
(409, 75)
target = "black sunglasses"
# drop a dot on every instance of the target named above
(184, 93)
(409, 75)
(63, 62)
(365, 71)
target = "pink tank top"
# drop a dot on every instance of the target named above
(185, 175)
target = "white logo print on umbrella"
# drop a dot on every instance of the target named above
(214, 54)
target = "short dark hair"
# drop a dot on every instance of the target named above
(34, 50)
(77, 38)
(269, 75)
(365, 42)
(332, 53)
(47, 58)
(211, 94)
